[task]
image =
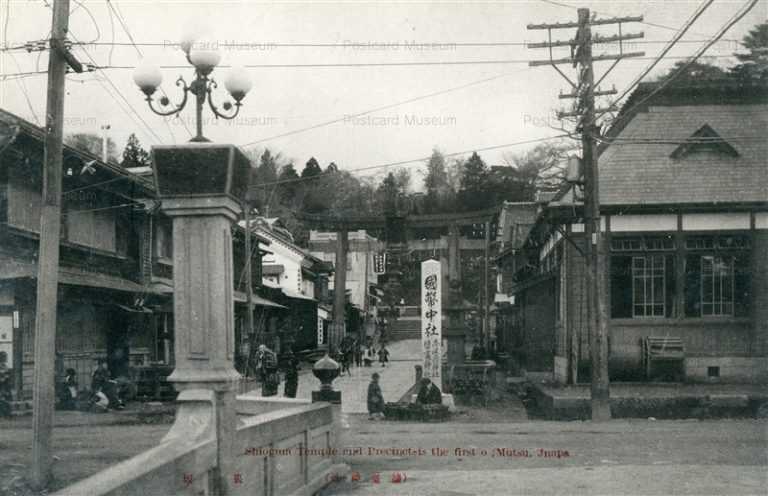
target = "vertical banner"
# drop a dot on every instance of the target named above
(319, 331)
(431, 332)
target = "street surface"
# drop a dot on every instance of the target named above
(620, 457)
(396, 378)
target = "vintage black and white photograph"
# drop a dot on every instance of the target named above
(382, 247)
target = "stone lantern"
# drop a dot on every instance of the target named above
(326, 370)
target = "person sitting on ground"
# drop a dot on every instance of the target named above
(375, 399)
(104, 389)
(68, 398)
(429, 393)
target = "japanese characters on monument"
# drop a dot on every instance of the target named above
(431, 332)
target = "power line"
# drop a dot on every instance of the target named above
(687, 25)
(383, 64)
(121, 20)
(120, 94)
(378, 109)
(362, 64)
(681, 70)
(19, 81)
(413, 46)
(655, 25)
(90, 14)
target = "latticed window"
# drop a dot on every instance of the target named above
(717, 274)
(648, 286)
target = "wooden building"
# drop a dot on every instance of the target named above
(116, 262)
(684, 208)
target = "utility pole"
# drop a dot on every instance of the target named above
(339, 290)
(248, 275)
(364, 331)
(48, 256)
(486, 299)
(104, 142)
(584, 93)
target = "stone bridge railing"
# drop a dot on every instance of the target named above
(280, 447)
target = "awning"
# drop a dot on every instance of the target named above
(296, 295)
(75, 277)
(240, 297)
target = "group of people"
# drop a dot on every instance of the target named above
(269, 372)
(360, 355)
(429, 394)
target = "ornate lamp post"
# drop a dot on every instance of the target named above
(203, 56)
(202, 186)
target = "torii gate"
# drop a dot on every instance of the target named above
(396, 224)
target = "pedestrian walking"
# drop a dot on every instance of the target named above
(358, 354)
(266, 364)
(375, 399)
(383, 355)
(291, 375)
(5, 386)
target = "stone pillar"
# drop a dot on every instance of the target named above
(205, 374)
(455, 333)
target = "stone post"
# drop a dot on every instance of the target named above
(197, 185)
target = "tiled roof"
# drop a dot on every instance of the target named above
(646, 173)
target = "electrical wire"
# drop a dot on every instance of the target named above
(681, 70)
(384, 64)
(121, 20)
(380, 108)
(19, 81)
(414, 45)
(662, 26)
(686, 26)
(119, 93)
(90, 14)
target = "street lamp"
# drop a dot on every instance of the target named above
(203, 55)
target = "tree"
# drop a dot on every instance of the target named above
(473, 184)
(698, 71)
(91, 143)
(387, 193)
(287, 184)
(403, 181)
(332, 167)
(134, 155)
(541, 168)
(753, 65)
(264, 183)
(436, 183)
(311, 168)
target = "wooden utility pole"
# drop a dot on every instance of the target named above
(339, 290)
(584, 91)
(48, 258)
(486, 298)
(248, 275)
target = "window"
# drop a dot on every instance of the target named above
(716, 285)
(163, 238)
(648, 288)
(642, 285)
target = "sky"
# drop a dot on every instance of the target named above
(453, 108)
